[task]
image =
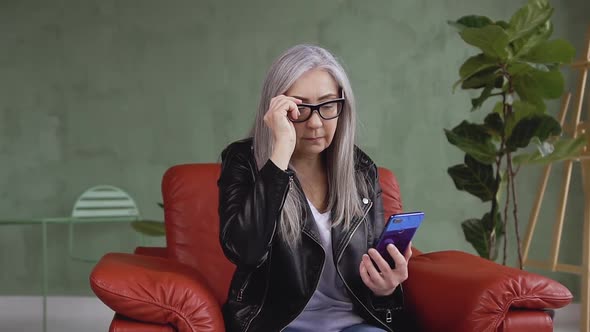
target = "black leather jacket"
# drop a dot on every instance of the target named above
(272, 285)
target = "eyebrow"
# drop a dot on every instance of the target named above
(326, 96)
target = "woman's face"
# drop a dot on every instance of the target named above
(314, 135)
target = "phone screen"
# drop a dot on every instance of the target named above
(399, 231)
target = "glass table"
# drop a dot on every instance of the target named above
(64, 220)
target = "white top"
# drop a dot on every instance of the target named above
(330, 308)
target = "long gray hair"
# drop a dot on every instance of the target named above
(343, 185)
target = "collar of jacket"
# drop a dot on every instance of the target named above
(340, 236)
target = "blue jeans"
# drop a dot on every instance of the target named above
(354, 328)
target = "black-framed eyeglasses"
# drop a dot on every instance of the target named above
(327, 110)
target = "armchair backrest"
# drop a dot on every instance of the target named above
(192, 223)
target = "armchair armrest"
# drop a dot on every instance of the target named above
(152, 251)
(457, 291)
(156, 290)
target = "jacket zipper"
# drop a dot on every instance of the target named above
(388, 317)
(274, 229)
(243, 288)
(259, 308)
(281, 207)
(271, 239)
(316, 283)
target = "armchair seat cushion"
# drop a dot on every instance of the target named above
(124, 324)
(156, 290)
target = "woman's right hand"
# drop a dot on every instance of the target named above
(283, 130)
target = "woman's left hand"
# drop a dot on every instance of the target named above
(384, 283)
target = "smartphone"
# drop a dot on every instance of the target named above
(399, 231)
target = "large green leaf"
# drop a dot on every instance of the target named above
(522, 74)
(494, 125)
(529, 18)
(473, 140)
(475, 178)
(489, 76)
(519, 68)
(535, 85)
(524, 45)
(471, 21)
(474, 66)
(483, 241)
(541, 126)
(476, 234)
(521, 109)
(553, 51)
(490, 39)
(493, 224)
(485, 94)
(503, 24)
(549, 84)
(529, 95)
(563, 149)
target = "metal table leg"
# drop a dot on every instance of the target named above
(44, 275)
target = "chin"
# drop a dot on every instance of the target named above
(312, 149)
(318, 148)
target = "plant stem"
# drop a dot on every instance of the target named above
(505, 221)
(493, 236)
(515, 210)
(505, 217)
(511, 188)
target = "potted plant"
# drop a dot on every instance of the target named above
(518, 66)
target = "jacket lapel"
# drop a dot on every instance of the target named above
(310, 228)
(340, 236)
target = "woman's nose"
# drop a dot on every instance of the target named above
(315, 121)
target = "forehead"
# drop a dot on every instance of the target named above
(314, 84)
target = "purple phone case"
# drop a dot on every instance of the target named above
(399, 230)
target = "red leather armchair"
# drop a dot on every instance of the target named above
(181, 287)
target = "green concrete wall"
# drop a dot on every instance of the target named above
(115, 92)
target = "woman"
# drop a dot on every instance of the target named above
(300, 207)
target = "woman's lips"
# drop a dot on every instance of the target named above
(312, 139)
